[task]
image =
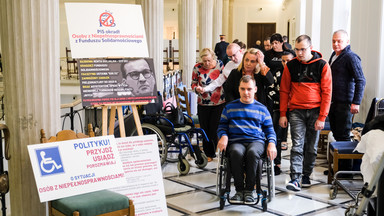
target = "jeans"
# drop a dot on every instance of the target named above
(304, 141)
(245, 155)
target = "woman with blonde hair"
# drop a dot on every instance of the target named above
(210, 104)
(252, 64)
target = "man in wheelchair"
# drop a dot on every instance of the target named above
(245, 124)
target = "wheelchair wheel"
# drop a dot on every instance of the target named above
(264, 204)
(333, 192)
(221, 175)
(222, 202)
(183, 167)
(162, 143)
(205, 161)
(173, 152)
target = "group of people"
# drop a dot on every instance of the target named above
(245, 105)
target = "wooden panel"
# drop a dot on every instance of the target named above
(259, 31)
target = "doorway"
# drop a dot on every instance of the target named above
(259, 31)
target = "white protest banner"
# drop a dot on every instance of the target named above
(141, 162)
(98, 30)
(73, 167)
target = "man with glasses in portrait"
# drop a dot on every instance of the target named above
(306, 86)
(139, 78)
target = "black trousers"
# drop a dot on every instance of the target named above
(209, 119)
(245, 156)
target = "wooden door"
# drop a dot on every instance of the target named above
(259, 31)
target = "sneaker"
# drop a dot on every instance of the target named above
(238, 198)
(305, 182)
(248, 198)
(294, 185)
(277, 170)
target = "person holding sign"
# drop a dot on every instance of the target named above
(139, 77)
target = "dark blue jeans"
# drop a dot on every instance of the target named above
(245, 155)
(304, 141)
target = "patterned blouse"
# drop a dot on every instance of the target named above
(203, 77)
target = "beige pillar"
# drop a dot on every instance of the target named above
(187, 38)
(205, 24)
(367, 24)
(217, 21)
(30, 51)
(153, 13)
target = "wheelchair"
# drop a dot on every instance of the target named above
(223, 186)
(174, 140)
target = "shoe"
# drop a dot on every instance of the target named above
(248, 198)
(277, 170)
(305, 182)
(294, 185)
(284, 146)
(237, 198)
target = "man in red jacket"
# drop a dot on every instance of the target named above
(306, 86)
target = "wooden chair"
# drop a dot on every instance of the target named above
(101, 203)
(71, 63)
(182, 101)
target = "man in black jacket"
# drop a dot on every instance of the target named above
(221, 50)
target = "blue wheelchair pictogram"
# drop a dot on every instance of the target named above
(49, 161)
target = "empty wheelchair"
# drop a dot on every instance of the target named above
(223, 186)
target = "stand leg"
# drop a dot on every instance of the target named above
(105, 120)
(121, 121)
(112, 120)
(137, 120)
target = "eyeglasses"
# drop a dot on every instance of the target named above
(233, 54)
(301, 50)
(136, 74)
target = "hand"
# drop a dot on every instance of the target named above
(271, 151)
(355, 108)
(319, 125)
(199, 89)
(222, 144)
(283, 122)
(260, 57)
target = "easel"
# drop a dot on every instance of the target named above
(120, 117)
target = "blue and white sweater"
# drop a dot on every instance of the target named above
(246, 123)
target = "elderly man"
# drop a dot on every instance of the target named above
(245, 124)
(235, 53)
(348, 84)
(139, 77)
(306, 86)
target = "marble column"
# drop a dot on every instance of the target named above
(226, 19)
(153, 13)
(217, 21)
(366, 38)
(30, 52)
(312, 24)
(206, 24)
(335, 15)
(187, 38)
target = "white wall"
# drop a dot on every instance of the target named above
(248, 11)
(290, 11)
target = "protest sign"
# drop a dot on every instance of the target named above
(73, 167)
(98, 30)
(141, 162)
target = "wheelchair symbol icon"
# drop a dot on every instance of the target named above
(48, 160)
